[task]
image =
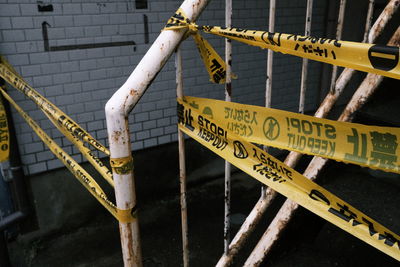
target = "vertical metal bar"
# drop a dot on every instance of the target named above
(117, 109)
(330, 31)
(365, 90)
(270, 55)
(291, 160)
(304, 70)
(228, 97)
(270, 62)
(146, 28)
(369, 19)
(182, 164)
(339, 29)
(360, 97)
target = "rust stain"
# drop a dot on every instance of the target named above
(133, 92)
(116, 135)
(195, 6)
(395, 40)
(388, 11)
(281, 225)
(126, 99)
(129, 236)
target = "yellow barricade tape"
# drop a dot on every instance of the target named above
(122, 165)
(64, 124)
(284, 179)
(83, 177)
(382, 60)
(86, 152)
(14, 79)
(214, 64)
(4, 134)
(370, 146)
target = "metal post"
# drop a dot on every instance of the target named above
(270, 55)
(304, 70)
(339, 29)
(117, 109)
(291, 160)
(182, 164)
(270, 62)
(360, 97)
(369, 19)
(382, 20)
(228, 97)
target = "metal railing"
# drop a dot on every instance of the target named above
(117, 110)
(122, 102)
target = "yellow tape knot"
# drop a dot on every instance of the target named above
(122, 165)
(180, 21)
(127, 216)
(193, 28)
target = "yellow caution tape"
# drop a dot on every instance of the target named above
(285, 180)
(214, 64)
(86, 152)
(370, 146)
(14, 79)
(83, 177)
(9, 66)
(122, 165)
(4, 134)
(64, 124)
(127, 216)
(382, 60)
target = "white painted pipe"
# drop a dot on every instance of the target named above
(339, 30)
(228, 97)
(382, 20)
(270, 62)
(270, 55)
(304, 69)
(182, 165)
(369, 17)
(117, 109)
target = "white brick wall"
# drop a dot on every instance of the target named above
(81, 81)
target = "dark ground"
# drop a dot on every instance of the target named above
(308, 240)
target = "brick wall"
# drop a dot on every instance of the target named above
(80, 81)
